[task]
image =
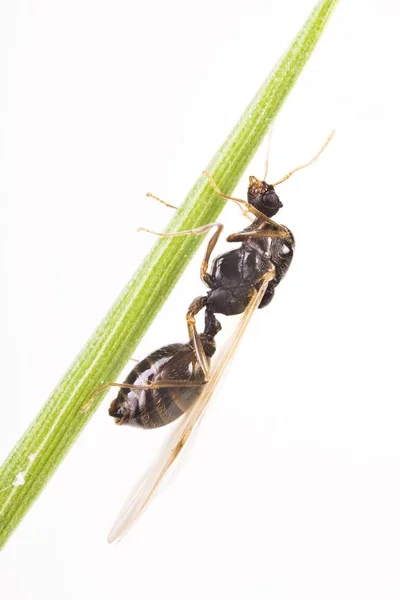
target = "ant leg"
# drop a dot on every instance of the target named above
(241, 203)
(204, 275)
(162, 383)
(242, 236)
(248, 207)
(150, 195)
(196, 231)
(196, 306)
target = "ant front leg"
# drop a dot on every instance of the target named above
(242, 204)
(248, 208)
(205, 276)
(258, 234)
(196, 231)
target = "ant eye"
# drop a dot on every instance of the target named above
(272, 203)
(285, 249)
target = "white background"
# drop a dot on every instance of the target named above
(292, 489)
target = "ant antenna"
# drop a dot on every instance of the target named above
(268, 153)
(332, 133)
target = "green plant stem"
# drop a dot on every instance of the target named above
(45, 443)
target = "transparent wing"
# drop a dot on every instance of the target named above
(144, 490)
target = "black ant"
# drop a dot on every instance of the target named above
(171, 381)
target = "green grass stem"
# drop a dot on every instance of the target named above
(41, 449)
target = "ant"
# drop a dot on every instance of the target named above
(171, 381)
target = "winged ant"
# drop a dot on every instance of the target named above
(176, 379)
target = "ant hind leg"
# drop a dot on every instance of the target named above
(164, 383)
(196, 306)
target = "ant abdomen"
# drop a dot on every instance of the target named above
(154, 407)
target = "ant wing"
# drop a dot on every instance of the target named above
(143, 492)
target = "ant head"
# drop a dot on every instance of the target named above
(263, 197)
